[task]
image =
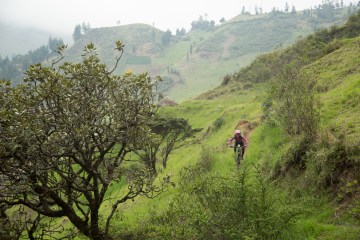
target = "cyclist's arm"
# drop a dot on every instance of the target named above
(231, 140)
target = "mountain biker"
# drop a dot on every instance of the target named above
(239, 140)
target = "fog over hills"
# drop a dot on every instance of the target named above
(15, 39)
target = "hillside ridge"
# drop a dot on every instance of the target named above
(197, 61)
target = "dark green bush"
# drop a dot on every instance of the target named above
(218, 123)
(226, 79)
(333, 46)
(248, 85)
(331, 162)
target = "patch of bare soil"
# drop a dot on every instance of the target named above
(246, 128)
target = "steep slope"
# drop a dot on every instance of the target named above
(237, 43)
(318, 182)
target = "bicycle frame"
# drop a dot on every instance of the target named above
(238, 157)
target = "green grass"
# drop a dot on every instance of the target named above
(341, 94)
(268, 145)
(201, 114)
(337, 76)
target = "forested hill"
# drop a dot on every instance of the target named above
(193, 62)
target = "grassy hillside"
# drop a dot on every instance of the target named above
(199, 60)
(142, 44)
(297, 181)
(237, 43)
(315, 187)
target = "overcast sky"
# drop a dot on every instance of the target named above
(61, 16)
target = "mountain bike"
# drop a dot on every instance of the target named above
(238, 155)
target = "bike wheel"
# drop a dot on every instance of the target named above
(239, 156)
(238, 159)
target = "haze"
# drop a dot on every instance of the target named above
(60, 17)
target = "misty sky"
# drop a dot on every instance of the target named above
(61, 16)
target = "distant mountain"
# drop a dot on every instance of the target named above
(198, 61)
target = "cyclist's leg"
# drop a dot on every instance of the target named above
(235, 146)
(238, 155)
(242, 150)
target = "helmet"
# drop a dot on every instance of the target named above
(237, 131)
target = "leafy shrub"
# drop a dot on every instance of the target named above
(293, 103)
(206, 159)
(333, 46)
(248, 85)
(294, 159)
(218, 123)
(226, 79)
(9, 230)
(331, 160)
(211, 206)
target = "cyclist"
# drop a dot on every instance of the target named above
(239, 140)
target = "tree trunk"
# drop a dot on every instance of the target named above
(153, 165)
(95, 232)
(164, 163)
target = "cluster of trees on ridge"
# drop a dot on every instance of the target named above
(324, 10)
(80, 30)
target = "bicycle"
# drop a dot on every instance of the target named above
(238, 157)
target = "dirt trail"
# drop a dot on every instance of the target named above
(246, 128)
